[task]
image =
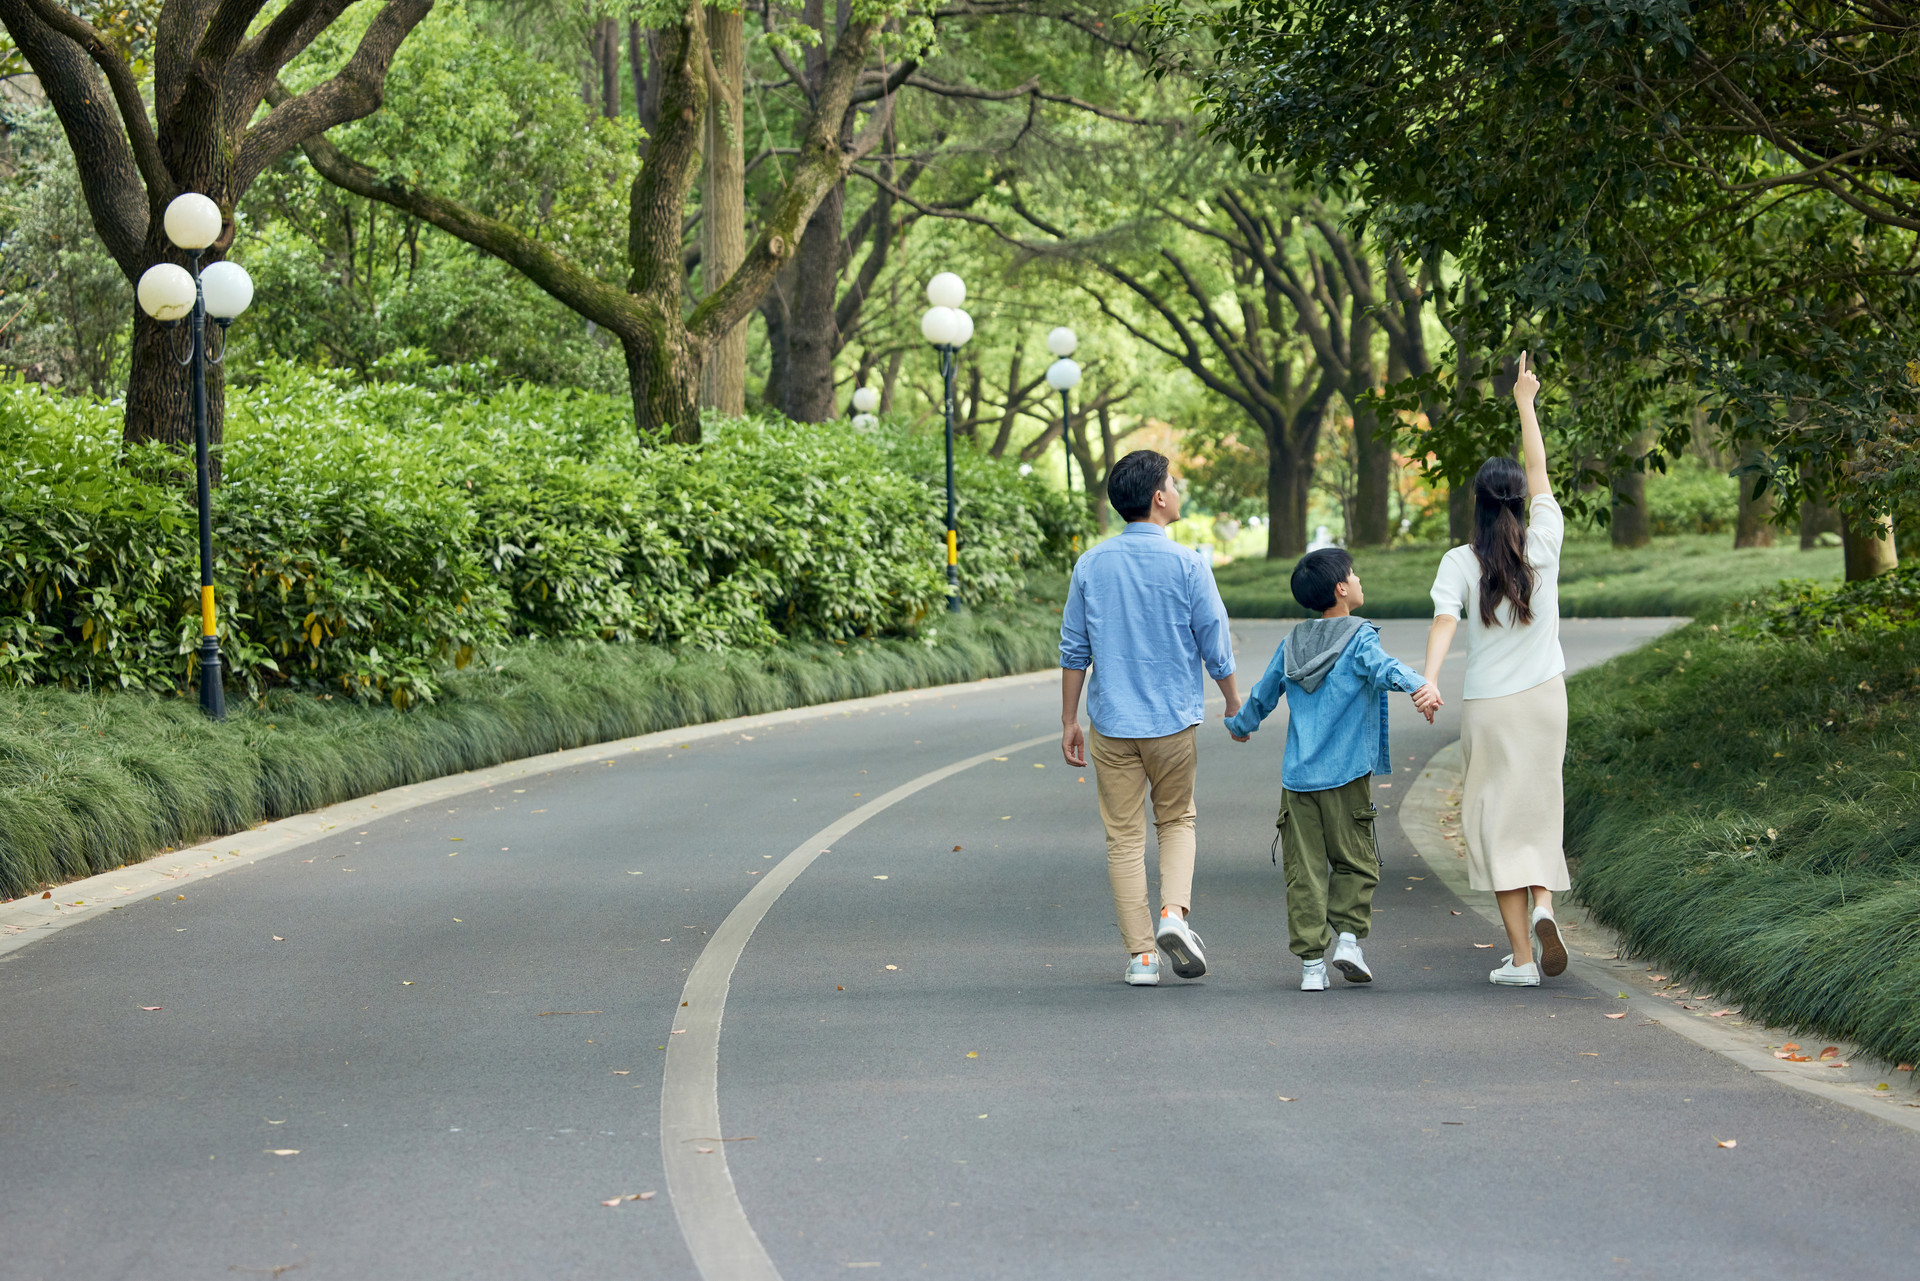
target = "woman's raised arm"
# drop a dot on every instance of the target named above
(1533, 449)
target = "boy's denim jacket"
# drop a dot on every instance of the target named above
(1338, 732)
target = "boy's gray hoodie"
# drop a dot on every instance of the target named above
(1313, 647)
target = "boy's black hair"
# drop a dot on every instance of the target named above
(1317, 574)
(1133, 482)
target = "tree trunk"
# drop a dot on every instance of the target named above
(1286, 513)
(777, 315)
(1371, 525)
(607, 49)
(160, 391)
(1631, 526)
(1460, 513)
(1817, 515)
(723, 207)
(1869, 548)
(813, 334)
(663, 375)
(1754, 528)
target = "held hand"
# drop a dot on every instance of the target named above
(1427, 700)
(1073, 744)
(1239, 738)
(1526, 383)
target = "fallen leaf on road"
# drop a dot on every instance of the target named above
(1904, 1067)
(615, 1201)
(1831, 1052)
(1621, 1015)
(1483, 945)
(1453, 913)
(1791, 1045)
(1836, 1063)
(278, 939)
(1039, 766)
(1719, 1014)
(622, 1071)
(1005, 817)
(679, 1031)
(973, 1054)
(1416, 878)
(893, 967)
(879, 878)
(406, 982)
(644, 1196)
(281, 1151)
(1883, 1086)
(999, 758)
(48, 894)
(1287, 1098)
(839, 988)
(151, 1008)
(1658, 978)
(708, 1150)
(1790, 1057)
(1729, 1143)
(956, 849)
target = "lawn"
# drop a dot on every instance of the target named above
(1685, 574)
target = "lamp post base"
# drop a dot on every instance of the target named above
(213, 690)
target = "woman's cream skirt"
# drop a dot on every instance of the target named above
(1512, 808)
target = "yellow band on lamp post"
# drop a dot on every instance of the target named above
(953, 547)
(206, 611)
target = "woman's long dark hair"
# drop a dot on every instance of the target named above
(1500, 540)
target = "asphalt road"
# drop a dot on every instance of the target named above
(452, 1051)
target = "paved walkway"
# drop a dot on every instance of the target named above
(452, 1052)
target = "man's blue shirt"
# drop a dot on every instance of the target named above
(1338, 732)
(1143, 611)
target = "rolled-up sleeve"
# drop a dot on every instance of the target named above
(1449, 589)
(1076, 649)
(1210, 631)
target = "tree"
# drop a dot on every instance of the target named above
(205, 134)
(1606, 172)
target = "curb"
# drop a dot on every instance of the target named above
(1594, 954)
(27, 920)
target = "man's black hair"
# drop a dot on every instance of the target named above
(1133, 482)
(1317, 574)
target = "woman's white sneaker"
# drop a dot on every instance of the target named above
(1144, 971)
(1511, 975)
(1313, 976)
(1548, 947)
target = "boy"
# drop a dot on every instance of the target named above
(1336, 679)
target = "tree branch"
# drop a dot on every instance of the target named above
(126, 92)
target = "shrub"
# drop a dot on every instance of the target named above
(371, 536)
(1693, 496)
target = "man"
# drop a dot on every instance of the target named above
(1144, 613)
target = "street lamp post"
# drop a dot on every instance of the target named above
(948, 328)
(1063, 376)
(170, 293)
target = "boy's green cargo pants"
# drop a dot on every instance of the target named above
(1332, 864)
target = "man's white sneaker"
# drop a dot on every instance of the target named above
(1143, 971)
(1511, 975)
(1551, 951)
(1176, 938)
(1348, 960)
(1313, 976)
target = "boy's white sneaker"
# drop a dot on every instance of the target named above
(1176, 938)
(1348, 960)
(1548, 946)
(1313, 976)
(1511, 975)
(1143, 971)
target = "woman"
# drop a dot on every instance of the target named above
(1514, 722)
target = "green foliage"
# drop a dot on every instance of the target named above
(369, 537)
(1748, 811)
(1692, 496)
(1689, 574)
(89, 781)
(1809, 610)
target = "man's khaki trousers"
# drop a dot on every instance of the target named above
(1129, 771)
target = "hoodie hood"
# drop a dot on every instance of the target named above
(1313, 647)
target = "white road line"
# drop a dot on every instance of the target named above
(699, 1181)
